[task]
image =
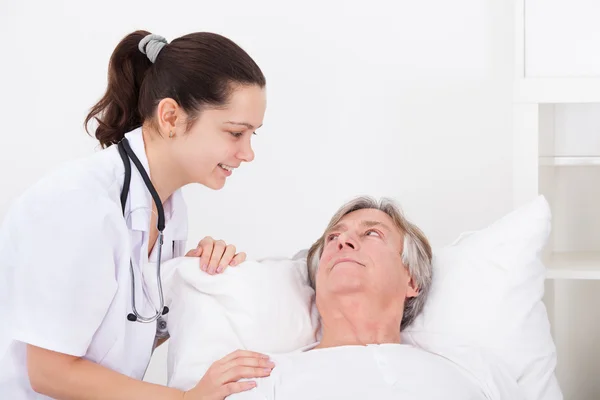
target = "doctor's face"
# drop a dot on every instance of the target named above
(219, 141)
(363, 254)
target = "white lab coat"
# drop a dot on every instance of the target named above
(65, 281)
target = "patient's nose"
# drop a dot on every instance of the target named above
(346, 240)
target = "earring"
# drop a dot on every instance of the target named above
(171, 134)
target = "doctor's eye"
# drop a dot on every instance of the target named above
(236, 134)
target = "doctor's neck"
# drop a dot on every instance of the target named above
(164, 173)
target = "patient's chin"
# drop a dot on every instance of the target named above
(346, 277)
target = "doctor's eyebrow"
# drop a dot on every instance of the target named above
(247, 125)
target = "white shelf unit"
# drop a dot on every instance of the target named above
(573, 265)
(556, 57)
(556, 148)
(569, 177)
(570, 161)
(556, 90)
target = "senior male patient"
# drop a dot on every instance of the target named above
(371, 271)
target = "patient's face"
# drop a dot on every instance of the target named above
(363, 253)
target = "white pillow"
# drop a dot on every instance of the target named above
(487, 292)
(265, 306)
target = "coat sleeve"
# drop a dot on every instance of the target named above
(63, 270)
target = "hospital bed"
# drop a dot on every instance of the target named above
(485, 300)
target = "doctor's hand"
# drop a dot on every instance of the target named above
(221, 379)
(216, 255)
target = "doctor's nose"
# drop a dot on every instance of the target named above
(246, 153)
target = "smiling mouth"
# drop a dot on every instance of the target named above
(226, 167)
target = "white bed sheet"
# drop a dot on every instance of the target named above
(387, 371)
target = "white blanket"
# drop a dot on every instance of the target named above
(388, 371)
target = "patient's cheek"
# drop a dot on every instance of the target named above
(325, 258)
(322, 261)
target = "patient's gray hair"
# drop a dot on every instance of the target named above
(416, 251)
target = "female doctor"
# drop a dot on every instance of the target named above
(79, 248)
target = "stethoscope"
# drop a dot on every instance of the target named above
(127, 154)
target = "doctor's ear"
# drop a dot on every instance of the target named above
(169, 114)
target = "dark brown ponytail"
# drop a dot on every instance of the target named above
(194, 70)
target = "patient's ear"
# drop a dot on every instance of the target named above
(412, 289)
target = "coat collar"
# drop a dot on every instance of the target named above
(139, 201)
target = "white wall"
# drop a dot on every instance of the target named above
(407, 99)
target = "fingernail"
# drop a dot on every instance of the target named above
(272, 364)
(203, 267)
(267, 370)
(220, 269)
(232, 263)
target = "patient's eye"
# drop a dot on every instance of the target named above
(370, 231)
(331, 236)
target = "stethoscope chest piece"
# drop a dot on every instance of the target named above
(161, 328)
